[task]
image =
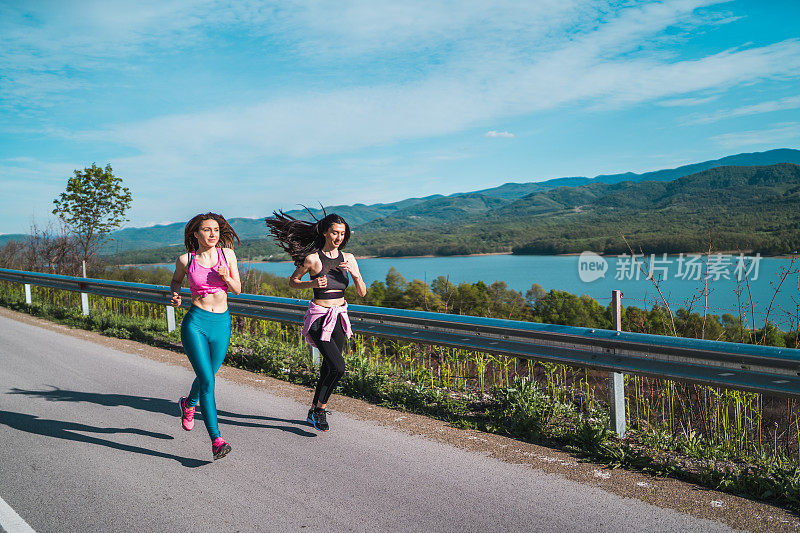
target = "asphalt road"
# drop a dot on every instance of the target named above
(90, 440)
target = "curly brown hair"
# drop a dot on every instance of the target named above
(226, 233)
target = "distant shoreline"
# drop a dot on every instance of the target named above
(575, 254)
(396, 257)
(357, 257)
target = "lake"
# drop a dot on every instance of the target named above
(680, 278)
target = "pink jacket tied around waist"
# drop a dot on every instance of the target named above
(331, 316)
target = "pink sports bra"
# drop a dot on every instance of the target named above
(204, 281)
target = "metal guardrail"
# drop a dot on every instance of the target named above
(748, 367)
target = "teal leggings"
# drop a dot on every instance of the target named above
(205, 337)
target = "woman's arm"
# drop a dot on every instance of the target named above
(351, 265)
(230, 275)
(310, 264)
(177, 279)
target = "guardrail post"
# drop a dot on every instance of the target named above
(84, 296)
(170, 318)
(28, 299)
(315, 356)
(85, 303)
(616, 381)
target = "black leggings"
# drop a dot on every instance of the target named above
(332, 361)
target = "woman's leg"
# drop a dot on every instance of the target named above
(195, 345)
(218, 342)
(201, 342)
(332, 368)
(218, 345)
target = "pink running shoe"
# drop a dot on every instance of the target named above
(187, 415)
(220, 448)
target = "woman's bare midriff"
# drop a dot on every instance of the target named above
(216, 302)
(329, 303)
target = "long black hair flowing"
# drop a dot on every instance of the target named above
(300, 238)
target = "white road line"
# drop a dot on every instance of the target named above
(11, 522)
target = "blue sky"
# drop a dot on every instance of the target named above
(245, 107)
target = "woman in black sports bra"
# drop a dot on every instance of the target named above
(333, 278)
(317, 250)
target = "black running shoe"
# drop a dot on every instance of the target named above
(318, 419)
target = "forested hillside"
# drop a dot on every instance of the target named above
(738, 208)
(747, 208)
(422, 212)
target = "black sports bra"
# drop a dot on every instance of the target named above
(338, 279)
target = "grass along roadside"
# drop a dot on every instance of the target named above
(555, 416)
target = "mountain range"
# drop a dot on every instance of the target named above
(747, 208)
(511, 209)
(452, 207)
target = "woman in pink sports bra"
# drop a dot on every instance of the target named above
(210, 265)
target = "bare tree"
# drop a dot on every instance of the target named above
(656, 284)
(11, 255)
(50, 250)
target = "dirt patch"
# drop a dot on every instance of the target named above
(737, 512)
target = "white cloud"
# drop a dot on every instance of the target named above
(335, 121)
(789, 131)
(472, 64)
(790, 102)
(50, 48)
(29, 187)
(53, 46)
(44, 43)
(633, 82)
(353, 27)
(688, 102)
(526, 58)
(498, 134)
